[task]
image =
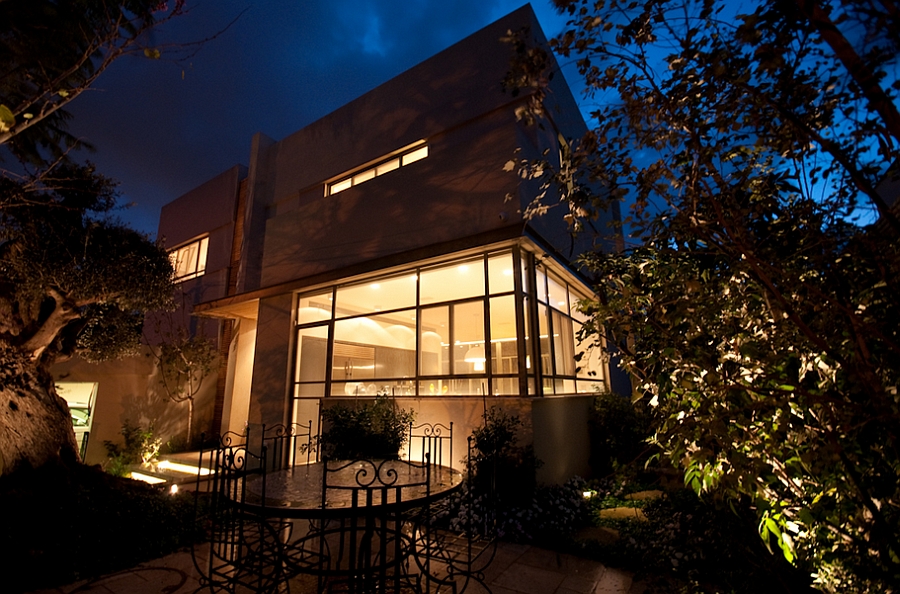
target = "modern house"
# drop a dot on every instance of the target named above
(382, 250)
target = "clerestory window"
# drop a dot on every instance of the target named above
(386, 165)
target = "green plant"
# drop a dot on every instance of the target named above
(140, 446)
(686, 544)
(619, 429)
(375, 430)
(503, 468)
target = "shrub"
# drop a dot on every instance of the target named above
(377, 430)
(140, 447)
(75, 523)
(503, 468)
(690, 545)
(619, 430)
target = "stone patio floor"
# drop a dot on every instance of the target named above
(517, 569)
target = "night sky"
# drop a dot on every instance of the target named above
(162, 128)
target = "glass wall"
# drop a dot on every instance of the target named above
(456, 328)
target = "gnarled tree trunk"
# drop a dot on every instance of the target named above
(35, 424)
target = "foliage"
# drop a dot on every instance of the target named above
(619, 430)
(184, 362)
(99, 524)
(53, 50)
(140, 447)
(503, 468)
(73, 280)
(549, 516)
(686, 545)
(376, 430)
(759, 317)
(505, 498)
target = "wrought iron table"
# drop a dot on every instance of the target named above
(296, 493)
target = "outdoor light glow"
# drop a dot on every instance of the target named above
(588, 494)
(185, 468)
(173, 490)
(153, 480)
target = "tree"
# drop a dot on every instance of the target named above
(759, 315)
(72, 281)
(51, 51)
(184, 361)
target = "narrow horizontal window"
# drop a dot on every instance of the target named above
(386, 166)
(416, 155)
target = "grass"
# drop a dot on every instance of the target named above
(64, 524)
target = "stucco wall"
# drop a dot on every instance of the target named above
(128, 390)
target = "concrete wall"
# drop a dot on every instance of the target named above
(458, 191)
(557, 427)
(241, 357)
(561, 437)
(271, 363)
(128, 390)
(455, 101)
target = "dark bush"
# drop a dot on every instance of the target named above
(64, 524)
(619, 430)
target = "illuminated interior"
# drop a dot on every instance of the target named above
(80, 396)
(189, 261)
(458, 328)
(386, 166)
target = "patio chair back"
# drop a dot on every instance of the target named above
(455, 545)
(286, 446)
(431, 440)
(362, 543)
(244, 551)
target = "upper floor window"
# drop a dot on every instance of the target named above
(189, 260)
(389, 164)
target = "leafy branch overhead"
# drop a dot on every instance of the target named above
(756, 310)
(54, 50)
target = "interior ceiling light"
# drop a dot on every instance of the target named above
(475, 355)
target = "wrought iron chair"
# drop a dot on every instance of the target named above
(454, 548)
(432, 439)
(244, 551)
(287, 445)
(363, 543)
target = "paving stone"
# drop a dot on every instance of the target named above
(529, 580)
(614, 581)
(623, 513)
(578, 584)
(583, 568)
(542, 558)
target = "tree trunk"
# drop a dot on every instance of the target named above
(190, 433)
(35, 424)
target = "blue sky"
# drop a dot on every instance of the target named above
(162, 128)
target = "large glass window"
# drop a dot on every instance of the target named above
(189, 260)
(457, 328)
(559, 322)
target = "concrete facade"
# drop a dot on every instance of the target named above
(277, 233)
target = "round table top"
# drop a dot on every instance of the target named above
(297, 491)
